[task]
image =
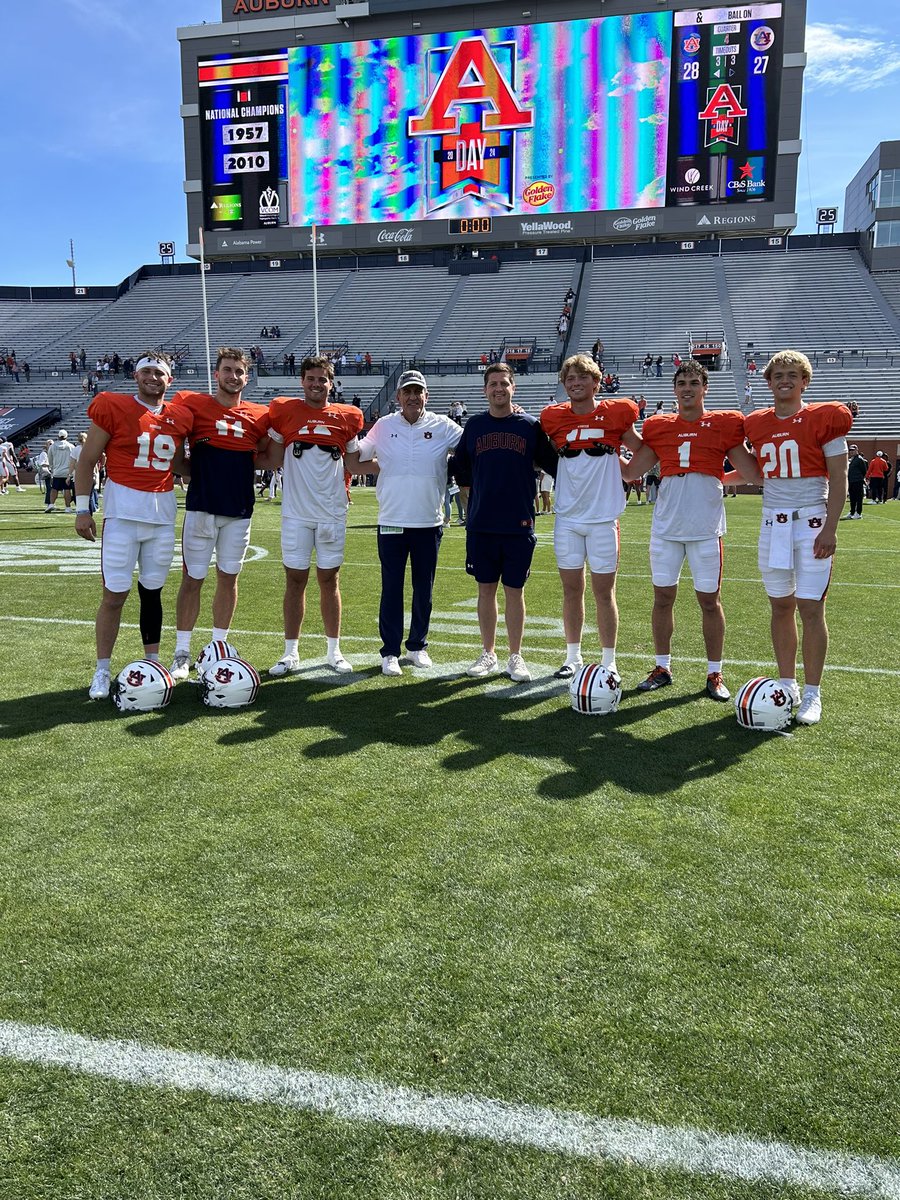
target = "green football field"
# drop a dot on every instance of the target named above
(442, 937)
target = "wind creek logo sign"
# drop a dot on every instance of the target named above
(473, 158)
(70, 556)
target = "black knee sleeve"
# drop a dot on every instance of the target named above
(151, 614)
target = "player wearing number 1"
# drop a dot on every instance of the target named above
(139, 435)
(226, 432)
(689, 517)
(801, 450)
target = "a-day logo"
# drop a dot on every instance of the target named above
(71, 556)
(722, 115)
(471, 158)
(539, 193)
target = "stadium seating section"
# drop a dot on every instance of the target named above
(820, 299)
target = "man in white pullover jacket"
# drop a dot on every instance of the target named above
(411, 447)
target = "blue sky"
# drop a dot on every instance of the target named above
(96, 155)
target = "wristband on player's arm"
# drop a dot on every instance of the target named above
(82, 506)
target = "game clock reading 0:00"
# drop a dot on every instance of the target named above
(466, 226)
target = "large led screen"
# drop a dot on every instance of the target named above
(626, 112)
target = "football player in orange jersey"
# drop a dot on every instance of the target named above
(587, 433)
(801, 451)
(226, 432)
(139, 438)
(689, 516)
(309, 437)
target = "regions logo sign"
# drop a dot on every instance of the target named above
(539, 193)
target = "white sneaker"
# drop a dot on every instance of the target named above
(181, 665)
(518, 672)
(794, 694)
(338, 663)
(288, 665)
(484, 664)
(390, 665)
(50, 508)
(568, 669)
(419, 658)
(100, 684)
(810, 711)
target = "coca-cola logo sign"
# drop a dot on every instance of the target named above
(395, 237)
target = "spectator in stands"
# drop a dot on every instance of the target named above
(26, 371)
(356, 400)
(588, 433)
(411, 448)
(857, 467)
(659, 365)
(647, 364)
(747, 404)
(60, 455)
(264, 332)
(292, 364)
(73, 363)
(116, 363)
(876, 476)
(358, 362)
(284, 362)
(642, 406)
(82, 358)
(367, 359)
(569, 296)
(752, 367)
(676, 360)
(496, 456)
(562, 326)
(338, 391)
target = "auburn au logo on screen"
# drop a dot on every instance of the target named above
(471, 117)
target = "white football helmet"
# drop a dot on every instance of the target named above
(595, 690)
(229, 683)
(764, 704)
(212, 652)
(142, 686)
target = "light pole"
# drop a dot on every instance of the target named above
(70, 262)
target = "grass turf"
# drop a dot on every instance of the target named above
(452, 884)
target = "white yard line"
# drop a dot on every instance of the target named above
(634, 1143)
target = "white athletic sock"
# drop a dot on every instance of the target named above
(334, 645)
(573, 652)
(608, 658)
(713, 668)
(810, 689)
(183, 640)
(788, 683)
(220, 635)
(290, 647)
(664, 661)
(152, 656)
(103, 664)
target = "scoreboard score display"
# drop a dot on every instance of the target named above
(642, 113)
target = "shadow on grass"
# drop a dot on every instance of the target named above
(635, 749)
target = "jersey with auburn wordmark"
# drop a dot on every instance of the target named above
(792, 447)
(693, 446)
(315, 441)
(223, 442)
(142, 440)
(589, 484)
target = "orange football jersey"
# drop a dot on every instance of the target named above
(604, 426)
(296, 421)
(791, 447)
(240, 427)
(701, 446)
(142, 441)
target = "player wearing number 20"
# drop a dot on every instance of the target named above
(225, 433)
(801, 450)
(139, 435)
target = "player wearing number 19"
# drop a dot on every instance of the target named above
(226, 432)
(139, 435)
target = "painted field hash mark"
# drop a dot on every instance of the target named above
(635, 1143)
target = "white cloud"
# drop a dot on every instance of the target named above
(848, 57)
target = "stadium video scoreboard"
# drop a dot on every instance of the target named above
(634, 125)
